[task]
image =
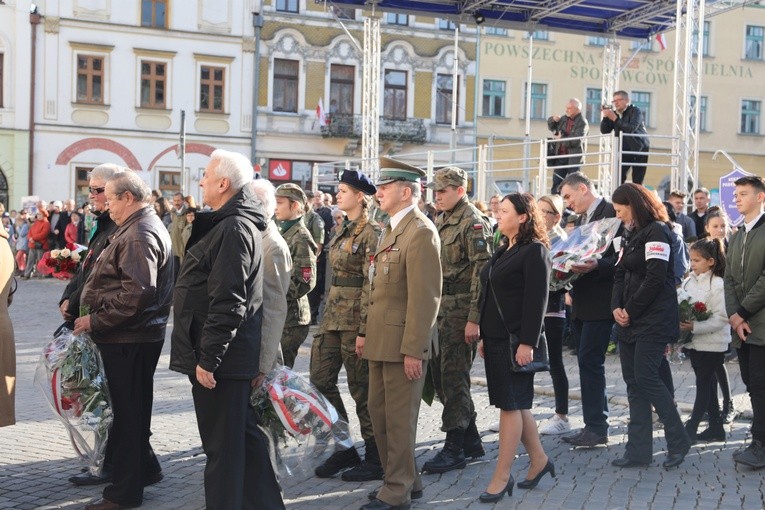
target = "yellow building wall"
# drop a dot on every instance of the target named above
(423, 92)
(314, 75)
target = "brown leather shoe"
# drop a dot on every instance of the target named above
(104, 504)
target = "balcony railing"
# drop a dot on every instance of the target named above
(349, 126)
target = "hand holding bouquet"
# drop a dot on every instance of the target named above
(585, 243)
(70, 375)
(690, 311)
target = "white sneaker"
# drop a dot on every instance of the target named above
(494, 427)
(554, 426)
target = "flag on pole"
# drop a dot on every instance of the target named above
(662, 42)
(320, 113)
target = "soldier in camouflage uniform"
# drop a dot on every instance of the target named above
(465, 247)
(344, 322)
(290, 207)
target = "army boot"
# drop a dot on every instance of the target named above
(473, 446)
(450, 457)
(370, 469)
(338, 461)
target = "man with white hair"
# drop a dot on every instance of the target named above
(567, 151)
(277, 268)
(128, 294)
(216, 339)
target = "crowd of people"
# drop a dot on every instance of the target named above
(411, 293)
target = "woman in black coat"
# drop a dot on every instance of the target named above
(516, 279)
(644, 304)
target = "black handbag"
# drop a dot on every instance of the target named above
(540, 361)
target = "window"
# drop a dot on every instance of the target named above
(495, 31)
(341, 82)
(446, 24)
(444, 91)
(287, 5)
(394, 95)
(344, 12)
(538, 100)
(643, 101)
(152, 84)
(704, 40)
(702, 112)
(90, 79)
(754, 39)
(81, 183)
(211, 88)
(154, 13)
(286, 80)
(169, 183)
(1, 80)
(493, 98)
(750, 117)
(393, 18)
(597, 41)
(539, 35)
(592, 106)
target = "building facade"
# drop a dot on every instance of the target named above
(569, 65)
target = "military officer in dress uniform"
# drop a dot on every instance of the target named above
(350, 255)
(401, 319)
(290, 207)
(465, 247)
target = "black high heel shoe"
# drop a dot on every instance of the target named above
(530, 484)
(488, 497)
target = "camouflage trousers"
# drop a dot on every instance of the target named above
(331, 351)
(450, 371)
(292, 338)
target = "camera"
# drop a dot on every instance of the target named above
(607, 107)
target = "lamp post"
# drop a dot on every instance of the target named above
(34, 20)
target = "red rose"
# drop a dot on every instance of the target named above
(70, 246)
(699, 307)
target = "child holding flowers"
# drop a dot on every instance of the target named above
(711, 336)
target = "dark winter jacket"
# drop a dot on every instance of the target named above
(631, 123)
(644, 285)
(219, 292)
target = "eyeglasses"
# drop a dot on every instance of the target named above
(96, 191)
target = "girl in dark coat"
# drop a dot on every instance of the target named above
(644, 305)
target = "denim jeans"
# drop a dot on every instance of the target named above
(593, 342)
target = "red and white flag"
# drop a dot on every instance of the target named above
(320, 113)
(662, 42)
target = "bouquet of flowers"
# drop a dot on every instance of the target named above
(292, 411)
(584, 243)
(70, 374)
(62, 263)
(690, 311)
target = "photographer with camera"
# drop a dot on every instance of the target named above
(627, 118)
(568, 129)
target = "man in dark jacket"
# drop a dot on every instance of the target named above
(70, 299)
(568, 129)
(217, 334)
(128, 294)
(626, 118)
(591, 313)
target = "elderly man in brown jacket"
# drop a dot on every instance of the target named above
(129, 292)
(403, 304)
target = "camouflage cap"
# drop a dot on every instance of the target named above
(392, 171)
(293, 192)
(448, 176)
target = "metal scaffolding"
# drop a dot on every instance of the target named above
(370, 94)
(608, 172)
(687, 87)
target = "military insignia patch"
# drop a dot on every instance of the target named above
(479, 244)
(307, 272)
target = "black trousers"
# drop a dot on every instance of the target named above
(130, 374)
(554, 335)
(238, 473)
(705, 366)
(751, 359)
(638, 163)
(640, 369)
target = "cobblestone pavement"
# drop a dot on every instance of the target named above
(37, 459)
